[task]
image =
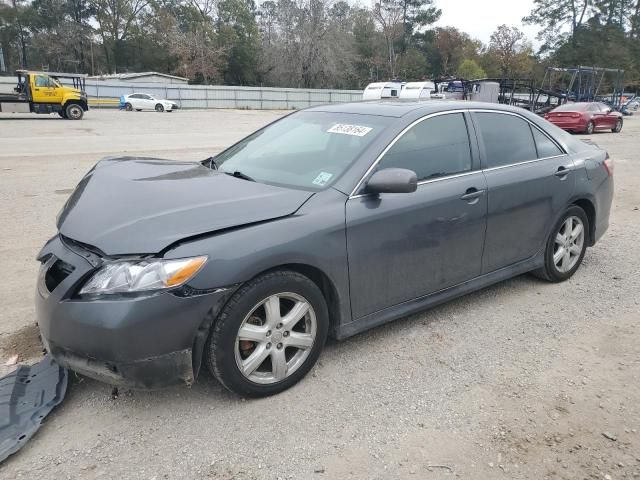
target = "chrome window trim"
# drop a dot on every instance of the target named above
(446, 177)
(392, 143)
(500, 167)
(430, 180)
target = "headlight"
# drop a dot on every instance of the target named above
(142, 275)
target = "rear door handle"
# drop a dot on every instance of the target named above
(472, 195)
(562, 172)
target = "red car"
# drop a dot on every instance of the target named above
(585, 117)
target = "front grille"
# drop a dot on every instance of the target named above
(56, 274)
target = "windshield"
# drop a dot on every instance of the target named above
(307, 150)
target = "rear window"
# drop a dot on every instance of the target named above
(571, 107)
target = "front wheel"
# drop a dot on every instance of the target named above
(159, 108)
(618, 126)
(269, 335)
(74, 112)
(566, 246)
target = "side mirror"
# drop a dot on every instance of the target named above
(393, 180)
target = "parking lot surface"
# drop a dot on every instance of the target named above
(521, 380)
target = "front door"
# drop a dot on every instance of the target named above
(45, 89)
(530, 180)
(405, 245)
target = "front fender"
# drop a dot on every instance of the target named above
(314, 236)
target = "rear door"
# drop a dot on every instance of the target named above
(405, 245)
(530, 180)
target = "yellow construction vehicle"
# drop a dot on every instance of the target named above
(43, 92)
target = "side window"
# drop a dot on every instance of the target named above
(433, 148)
(507, 139)
(146, 97)
(42, 81)
(546, 148)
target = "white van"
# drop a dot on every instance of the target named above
(376, 91)
(421, 90)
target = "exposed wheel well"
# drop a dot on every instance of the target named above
(325, 285)
(590, 210)
(82, 104)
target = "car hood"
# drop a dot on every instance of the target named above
(143, 205)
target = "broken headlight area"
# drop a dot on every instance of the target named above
(139, 276)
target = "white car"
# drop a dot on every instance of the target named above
(143, 101)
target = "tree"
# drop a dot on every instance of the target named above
(416, 14)
(469, 69)
(116, 20)
(239, 36)
(389, 14)
(510, 51)
(554, 16)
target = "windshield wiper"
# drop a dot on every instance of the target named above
(239, 174)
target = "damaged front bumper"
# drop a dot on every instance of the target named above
(141, 342)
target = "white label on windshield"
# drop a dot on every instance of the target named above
(322, 178)
(357, 130)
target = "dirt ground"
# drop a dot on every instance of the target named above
(522, 380)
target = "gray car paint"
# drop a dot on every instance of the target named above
(344, 239)
(142, 205)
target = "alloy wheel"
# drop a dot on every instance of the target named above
(275, 338)
(568, 245)
(590, 128)
(618, 126)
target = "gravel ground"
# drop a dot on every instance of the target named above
(520, 380)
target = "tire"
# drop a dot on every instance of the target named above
(225, 351)
(159, 108)
(618, 126)
(138, 109)
(590, 128)
(128, 107)
(62, 114)
(73, 111)
(555, 270)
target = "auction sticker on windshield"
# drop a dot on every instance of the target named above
(357, 130)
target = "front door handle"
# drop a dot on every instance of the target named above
(472, 195)
(562, 172)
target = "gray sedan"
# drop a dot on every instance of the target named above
(329, 221)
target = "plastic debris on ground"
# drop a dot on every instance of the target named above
(27, 396)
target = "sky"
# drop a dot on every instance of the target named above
(479, 18)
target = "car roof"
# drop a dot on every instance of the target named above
(400, 108)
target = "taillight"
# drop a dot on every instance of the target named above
(575, 115)
(608, 165)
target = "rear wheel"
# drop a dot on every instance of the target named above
(128, 107)
(159, 108)
(618, 126)
(590, 127)
(74, 112)
(269, 334)
(566, 246)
